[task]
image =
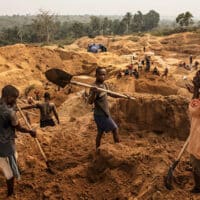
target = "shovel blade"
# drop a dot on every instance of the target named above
(49, 169)
(168, 179)
(58, 77)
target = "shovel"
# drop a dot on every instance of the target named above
(168, 179)
(37, 142)
(62, 78)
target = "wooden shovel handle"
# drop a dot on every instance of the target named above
(183, 148)
(37, 141)
(101, 89)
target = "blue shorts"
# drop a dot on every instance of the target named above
(105, 124)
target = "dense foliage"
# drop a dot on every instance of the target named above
(47, 27)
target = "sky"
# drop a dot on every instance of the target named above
(101, 7)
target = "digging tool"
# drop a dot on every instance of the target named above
(62, 78)
(168, 179)
(37, 142)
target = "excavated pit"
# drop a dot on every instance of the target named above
(152, 127)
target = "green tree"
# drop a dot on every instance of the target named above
(119, 27)
(151, 20)
(64, 30)
(95, 24)
(137, 23)
(127, 20)
(20, 33)
(89, 30)
(184, 19)
(106, 26)
(77, 29)
(45, 25)
(11, 34)
(115, 26)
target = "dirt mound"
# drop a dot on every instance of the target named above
(26, 65)
(75, 106)
(114, 157)
(114, 162)
(123, 47)
(118, 45)
(84, 41)
(150, 126)
(186, 43)
(78, 62)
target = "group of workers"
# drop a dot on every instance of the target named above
(9, 123)
(130, 70)
(191, 65)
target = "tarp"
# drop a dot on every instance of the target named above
(94, 48)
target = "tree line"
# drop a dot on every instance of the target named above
(46, 27)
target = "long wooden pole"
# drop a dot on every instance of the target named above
(101, 89)
(29, 126)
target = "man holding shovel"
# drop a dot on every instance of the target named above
(102, 115)
(8, 125)
(194, 144)
(98, 96)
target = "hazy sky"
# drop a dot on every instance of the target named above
(104, 7)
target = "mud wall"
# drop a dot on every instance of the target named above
(155, 87)
(159, 114)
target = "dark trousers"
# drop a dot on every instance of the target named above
(47, 122)
(196, 170)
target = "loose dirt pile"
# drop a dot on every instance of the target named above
(152, 127)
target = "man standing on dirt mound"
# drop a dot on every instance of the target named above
(46, 108)
(102, 115)
(8, 125)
